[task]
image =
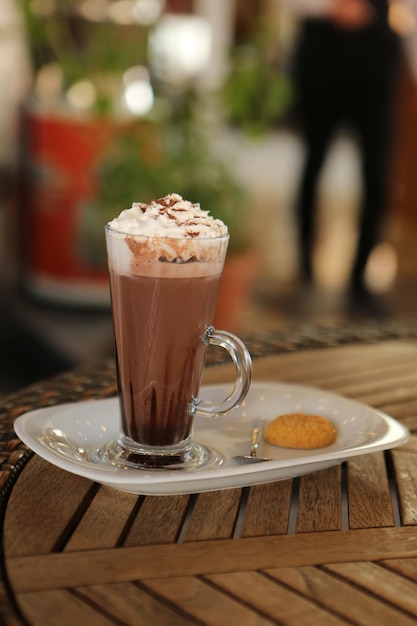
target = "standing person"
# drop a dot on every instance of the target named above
(346, 67)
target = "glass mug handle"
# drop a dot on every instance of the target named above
(243, 364)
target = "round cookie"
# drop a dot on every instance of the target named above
(300, 430)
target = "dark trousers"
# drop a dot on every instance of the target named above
(367, 108)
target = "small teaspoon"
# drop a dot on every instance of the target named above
(252, 456)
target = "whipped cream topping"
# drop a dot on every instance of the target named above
(171, 216)
(169, 237)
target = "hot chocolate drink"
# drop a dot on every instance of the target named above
(165, 263)
(159, 364)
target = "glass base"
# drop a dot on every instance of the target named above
(194, 457)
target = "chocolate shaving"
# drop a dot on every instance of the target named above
(168, 201)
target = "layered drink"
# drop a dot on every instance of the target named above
(165, 262)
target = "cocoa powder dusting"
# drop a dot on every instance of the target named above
(168, 201)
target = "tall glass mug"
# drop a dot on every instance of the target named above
(163, 312)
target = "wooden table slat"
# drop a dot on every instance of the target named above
(48, 499)
(380, 393)
(206, 603)
(209, 557)
(369, 492)
(133, 605)
(271, 599)
(59, 606)
(405, 465)
(104, 522)
(371, 576)
(405, 567)
(272, 521)
(338, 594)
(319, 501)
(159, 521)
(214, 516)
(335, 368)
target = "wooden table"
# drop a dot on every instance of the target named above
(338, 546)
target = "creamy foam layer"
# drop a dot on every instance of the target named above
(171, 216)
(169, 237)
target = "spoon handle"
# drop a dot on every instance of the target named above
(254, 441)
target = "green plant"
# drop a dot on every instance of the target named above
(181, 161)
(98, 50)
(256, 93)
(148, 159)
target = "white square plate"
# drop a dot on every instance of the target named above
(64, 435)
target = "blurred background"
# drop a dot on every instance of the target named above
(105, 102)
